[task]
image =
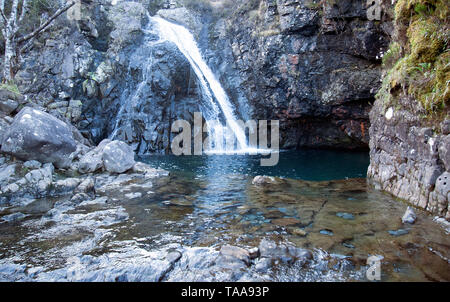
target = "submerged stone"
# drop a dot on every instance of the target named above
(398, 232)
(348, 245)
(326, 232)
(347, 216)
(285, 221)
(299, 232)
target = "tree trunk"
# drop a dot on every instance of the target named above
(10, 28)
(8, 73)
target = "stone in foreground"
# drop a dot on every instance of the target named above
(409, 216)
(36, 135)
(262, 180)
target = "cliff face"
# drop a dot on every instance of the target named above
(315, 66)
(312, 65)
(107, 72)
(410, 132)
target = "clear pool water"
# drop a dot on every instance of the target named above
(314, 165)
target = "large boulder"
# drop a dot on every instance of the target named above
(36, 135)
(93, 160)
(8, 106)
(4, 126)
(118, 157)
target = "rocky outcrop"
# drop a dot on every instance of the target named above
(21, 181)
(149, 87)
(409, 159)
(36, 135)
(410, 135)
(130, 87)
(42, 140)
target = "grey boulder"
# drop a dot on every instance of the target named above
(9, 100)
(93, 160)
(118, 157)
(8, 106)
(36, 135)
(7, 173)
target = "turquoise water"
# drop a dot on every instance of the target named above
(313, 165)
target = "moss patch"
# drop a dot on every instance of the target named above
(10, 87)
(418, 61)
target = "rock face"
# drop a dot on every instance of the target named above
(409, 134)
(316, 68)
(182, 16)
(138, 107)
(36, 135)
(409, 159)
(129, 88)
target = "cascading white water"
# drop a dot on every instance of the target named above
(185, 42)
(125, 113)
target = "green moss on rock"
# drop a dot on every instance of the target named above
(418, 61)
(12, 87)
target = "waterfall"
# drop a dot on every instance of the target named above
(211, 87)
(125, 113)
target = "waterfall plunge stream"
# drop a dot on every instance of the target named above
(211, 87)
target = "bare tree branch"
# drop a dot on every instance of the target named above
(13, 15)
(27, 46)
(24, 10)
(46, 23)
(17, 9)
(5, 21)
